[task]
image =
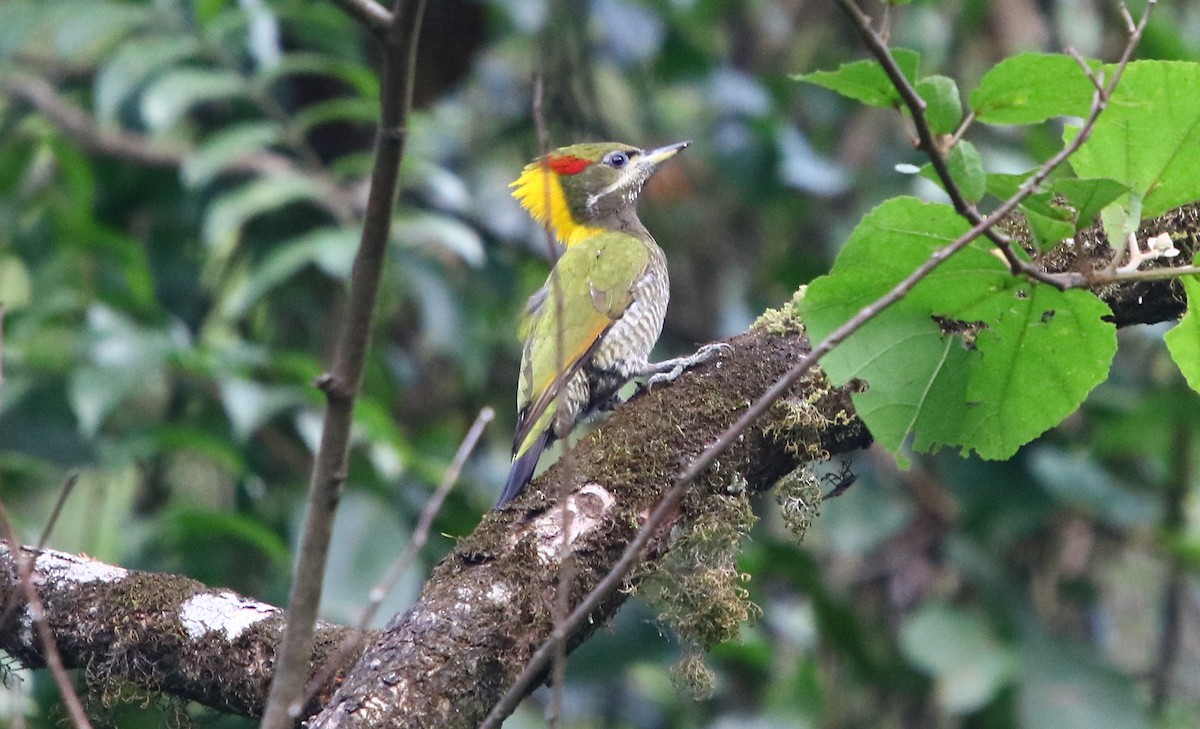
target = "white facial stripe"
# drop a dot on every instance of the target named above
(634, 174)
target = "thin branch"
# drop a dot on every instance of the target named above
(77, 124)
(371, 14)
(419, 538)
(25, 566)
(342, 382)
(523, 684)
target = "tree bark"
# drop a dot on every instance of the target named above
(160, 632)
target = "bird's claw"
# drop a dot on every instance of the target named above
(671, 369)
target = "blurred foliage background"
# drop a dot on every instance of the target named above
(181, 185)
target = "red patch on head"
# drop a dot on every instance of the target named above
(568, 165)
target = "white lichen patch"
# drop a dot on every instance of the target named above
(584, 511)
(56, 567)
(499, 593)
(222, 612)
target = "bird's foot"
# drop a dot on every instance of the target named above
(670, 369)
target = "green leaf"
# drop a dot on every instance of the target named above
(250, 404)
(225, 218)
(1003, 185)
(225, 147)
(1088, 196)
(358, 76)
(943, 107)
(1148, 137)
(1030, 88)
(14, 283)
(966, 169)
(440, 231)
(330, 249)
(132, 65)
(866, 81)
(189, 526)
(353, 109)
(1015, 357)
(1183, 341)
(76, 31)
(1076, 478)
(1049, 224)
(968, 664)
(177, 91)
(124, 360)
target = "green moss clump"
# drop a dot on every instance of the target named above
(784, 320)
(697, 589)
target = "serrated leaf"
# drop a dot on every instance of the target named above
(866, 81)
(1148, 136)
(224, 148)
(1041, 353)
(1183, 341)
(968, 664)
(170, 96)
(130, 67)
(943, 107)
(1021, 357)
(1030, 88)
(1088, 196)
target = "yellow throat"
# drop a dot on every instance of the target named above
(539, 191)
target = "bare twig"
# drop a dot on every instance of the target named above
(25, 567)
(371, 14)
(629, 558)
(420, 536)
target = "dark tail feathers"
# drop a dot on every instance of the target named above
(522, 470)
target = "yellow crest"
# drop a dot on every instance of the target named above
(539, 191)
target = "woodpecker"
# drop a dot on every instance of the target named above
(591, 327)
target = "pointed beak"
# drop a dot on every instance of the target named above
(654, 157)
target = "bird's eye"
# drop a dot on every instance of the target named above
(617, 159)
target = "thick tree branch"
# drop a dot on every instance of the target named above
(161, 632)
